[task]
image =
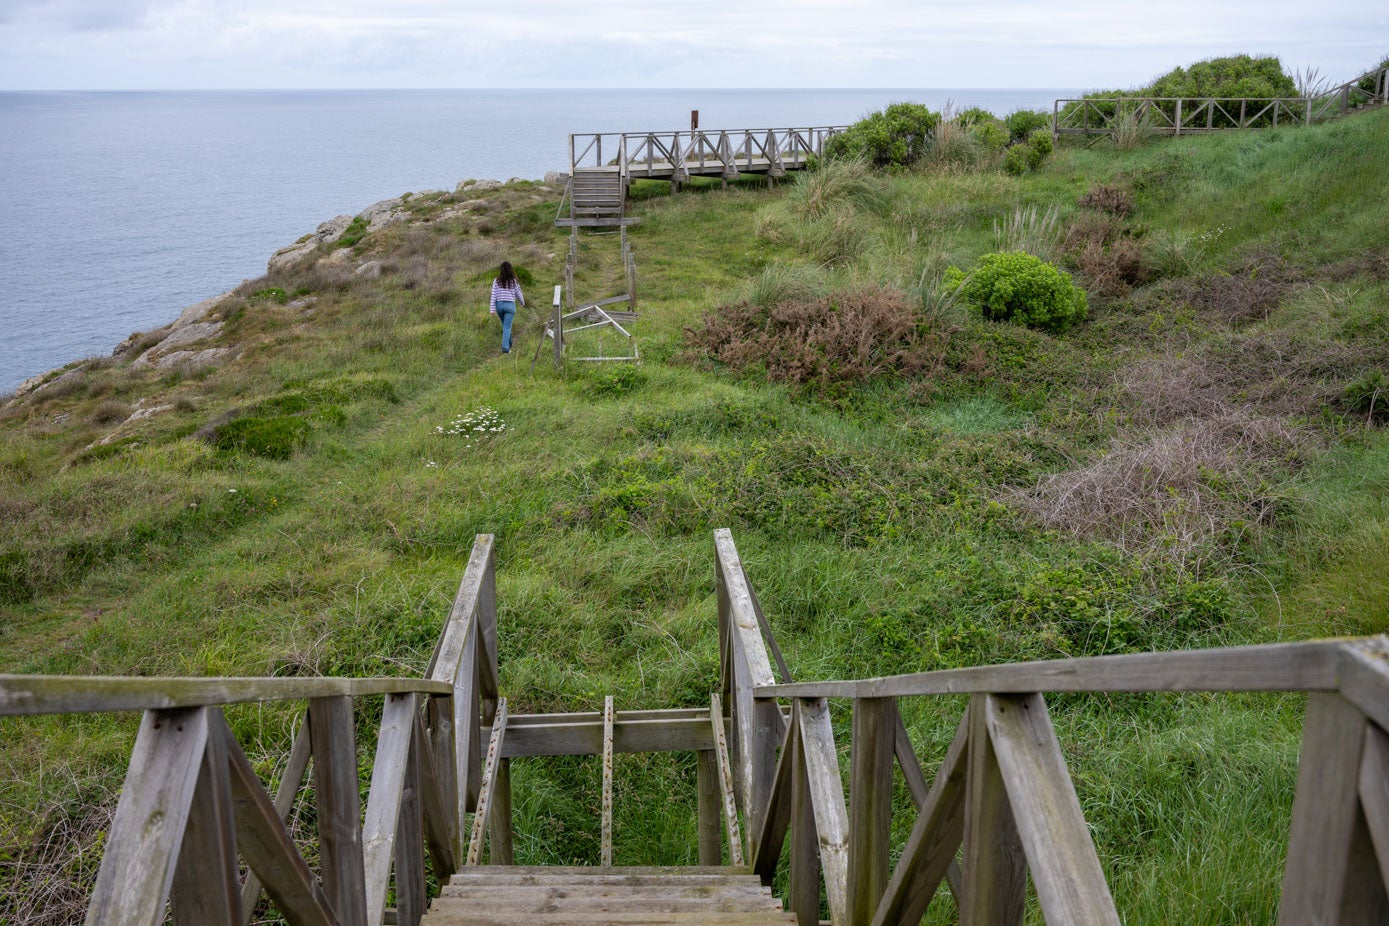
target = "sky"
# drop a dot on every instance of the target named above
(310, 44)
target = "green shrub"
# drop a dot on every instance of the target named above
(1024, 122)
(1018, 160)
(1232, 76)
(1017, 287)
(1040, 140)
(270, 294)
(275, 437)
(975, 116)
(895, 137)
(993, 136)
(355, 232)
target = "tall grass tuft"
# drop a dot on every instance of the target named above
(1027, 229)
(1132, 129)
(818, 192)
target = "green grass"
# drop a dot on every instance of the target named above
(881, 523)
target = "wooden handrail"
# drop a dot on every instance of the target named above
(1311, 666)
(1003, 795)
(192, 803)
(22, 695)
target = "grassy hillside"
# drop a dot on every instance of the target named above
(1201, 462)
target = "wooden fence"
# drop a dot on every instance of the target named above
(1002, 801)
(1191, 115)
(676, 156)
(192, 802)
(1003, 798)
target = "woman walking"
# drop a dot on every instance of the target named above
(506, 293)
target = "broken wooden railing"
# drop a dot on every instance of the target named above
(1003, 799)
(1191, 115)
(192, 804)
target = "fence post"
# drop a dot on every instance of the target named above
(339, 807)
(870, 804)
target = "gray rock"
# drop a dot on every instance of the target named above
(71, 376)
(386, 212)
(195, 361)
(293, 253)
(558, 177)
(475, 185)
(370, 270)
(199, 310)
(178, 337)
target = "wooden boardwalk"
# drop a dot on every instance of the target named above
(603, 165)
(1001, 809)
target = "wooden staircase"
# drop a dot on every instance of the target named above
(495, 895)
(597, 196)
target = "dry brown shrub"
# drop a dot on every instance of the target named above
(846, 336)
(1100, 249)
(1271, 373)
(1249, 291)
(1178, 491)
(1110, 198)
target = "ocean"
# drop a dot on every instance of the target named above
(118, 209)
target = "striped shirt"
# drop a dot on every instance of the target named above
(510, 293)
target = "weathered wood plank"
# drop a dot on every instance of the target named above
(585, 738)
(606, 838)
(269, 850)
(441, 825)
(1065, 868)
(767, 844)
(1267, 667)
(411, 892)
(870, 804)
(759, 720)
(935, 838)
(1374, 795)
(730, 811)
(1326, 809)
(702, 918)
(206, 887)
(489, 777)
(710, 825)
(83, 694)
(500, 833)
(995, 868)
(384, 799)
(290, 783)
(1364, 669)
(339, 807)
(462, 616)
(827, 801)
(141, 851)
(804, 869)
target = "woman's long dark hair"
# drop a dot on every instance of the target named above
(505, 275)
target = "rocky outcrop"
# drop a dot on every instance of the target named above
(195, 361)
(472, 186)
(178, 337)
(369, 271)
(291, 254)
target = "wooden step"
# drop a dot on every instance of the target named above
(589, 896)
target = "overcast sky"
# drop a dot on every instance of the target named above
(195, 44)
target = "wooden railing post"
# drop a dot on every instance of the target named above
(138, 867)
(995, 870)
(339, 807)
(411, 891)
(206, 890)
(804, 897)
(1331, 875)
(870, 804)
(710, 816)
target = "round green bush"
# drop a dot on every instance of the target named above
(992, 135)
(1017, 287)
(1018, 159)
(895, 137)
(1024, 122)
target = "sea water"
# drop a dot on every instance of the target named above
(118, 209)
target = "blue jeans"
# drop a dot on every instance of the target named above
(506, 311)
